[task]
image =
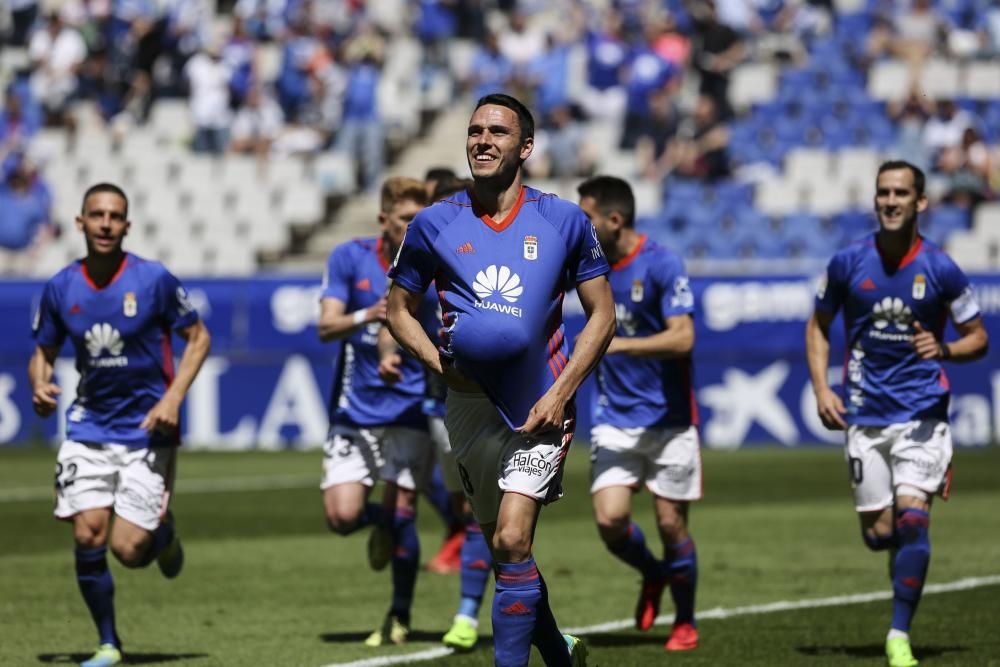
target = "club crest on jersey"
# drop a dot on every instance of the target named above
(530, 247)
(637, 291)
(129, 305)
(919, 286)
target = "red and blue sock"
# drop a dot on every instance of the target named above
(521, 617)
(477, 562)
(682, 568)
(98, 590)
(405, 562)
(632, 550)
(912, 560)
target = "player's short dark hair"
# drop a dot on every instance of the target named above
(449, 186)
(439, 174)
(103, 187)
(919, 180)
(524, 117)
(611, 194)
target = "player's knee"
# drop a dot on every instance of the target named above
(342, 523)
(672, 527)
(613, 529)
(89, 537)
(129, 552)
(877, 541)
(511, 544)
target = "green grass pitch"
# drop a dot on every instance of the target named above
(264, 583)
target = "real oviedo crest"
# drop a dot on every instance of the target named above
(531, 247)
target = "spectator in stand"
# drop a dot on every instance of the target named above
(491, 70)
(435, 25)
(646, 73)
(257, 124)
(920, 32)
(23, 14)
(361, 129)
(300, 54)
(968, 167)
(945, 128)
(548, 75)
(672, 43)
(651, 151)
(186, 30)
(208, 80)
(24, 205)
(16, 126)
(561, 149)
(607, 54)
(718, 50)
(522, 41)
(910, 117)
(57, 52)
(238, 54)
(701, 149)
(264, 19)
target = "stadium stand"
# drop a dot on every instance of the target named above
(818, 97)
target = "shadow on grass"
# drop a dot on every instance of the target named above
(129, 658)
(608, 640)
(876, 650)
(358, 637)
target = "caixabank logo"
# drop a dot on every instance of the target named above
(499, 281)
(103, 337)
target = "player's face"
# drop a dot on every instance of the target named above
(896, 200)
(607, 227)
(395, 221)
(103, 223)
(494, 147)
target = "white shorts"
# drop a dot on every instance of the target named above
(445, 457)
(493, 459)
(880, 459)
(390, 453)
(666, 460)
(136, 482)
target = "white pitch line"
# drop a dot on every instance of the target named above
(716, 613)
(212, 485)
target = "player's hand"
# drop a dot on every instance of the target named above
(546, 415)
(389, 368)
(163, 418)
(926, 345)
(830, 408)
(376, 312)
(43, 399)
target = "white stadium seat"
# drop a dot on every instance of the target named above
(751, 83)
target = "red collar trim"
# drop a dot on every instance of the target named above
(382, 261)
(908, 258)
(506, 222)
(629, 258)
(90, 279)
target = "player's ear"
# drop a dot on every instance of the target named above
(922, 203)
(527, 146)
(382, 218)
(79, 223)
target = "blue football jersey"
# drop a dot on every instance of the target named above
(885, 381)
(501, 286)
(355, 275)
(649, 285)
(121, 334)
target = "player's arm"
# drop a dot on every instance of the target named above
(165, 415)
(973, 342)
(335, 323)
(44, 392)
(401, 317)
(676, 341)
(599, 306)
(389, 358)
(828, 404)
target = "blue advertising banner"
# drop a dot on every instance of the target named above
(267, 381)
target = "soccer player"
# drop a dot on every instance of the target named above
(644, 413)
(896, 291)
(502, 256)
(119, 311)
(377, 431)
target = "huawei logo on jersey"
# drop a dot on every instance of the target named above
(891, 311)
(102, 337)
(500, 281)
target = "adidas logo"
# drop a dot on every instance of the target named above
(516, 609)
(479, 565)
(500, 281)
(364, 284)
(465, 249)
(868, 285)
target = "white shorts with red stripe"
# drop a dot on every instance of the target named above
(666, 460)
(492, 459)
(882, 458)
(135, 481)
